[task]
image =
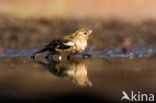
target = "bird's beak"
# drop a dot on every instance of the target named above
(90, 31)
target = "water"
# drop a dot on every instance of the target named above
(100, 78)
(104, 53)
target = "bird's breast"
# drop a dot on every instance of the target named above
(80, 45)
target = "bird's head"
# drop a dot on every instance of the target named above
(82, 33)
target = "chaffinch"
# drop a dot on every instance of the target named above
(67, 45)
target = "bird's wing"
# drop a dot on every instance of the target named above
(69, 43)
(60, 44)
(66, 43)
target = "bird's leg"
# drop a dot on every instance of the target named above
(68, 57)
(50, 55)
(32, 56)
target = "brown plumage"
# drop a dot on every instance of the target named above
(68, 45)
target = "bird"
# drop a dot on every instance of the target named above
(68, 45)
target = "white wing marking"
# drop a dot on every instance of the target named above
(69, 43)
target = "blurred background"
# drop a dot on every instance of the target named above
(113, 22)
(127, 9)
(31, 23)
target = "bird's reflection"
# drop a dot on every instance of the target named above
(74, 70)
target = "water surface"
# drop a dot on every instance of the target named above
(100, 78)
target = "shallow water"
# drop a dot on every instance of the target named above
(100, 78)
(103, 53)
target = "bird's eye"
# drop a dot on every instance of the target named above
(85, 33)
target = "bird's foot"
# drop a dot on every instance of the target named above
(46, 57)
(32, 56)
(49, 57)
(68, 57)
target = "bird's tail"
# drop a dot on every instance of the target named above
(39, 51)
